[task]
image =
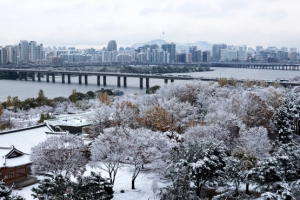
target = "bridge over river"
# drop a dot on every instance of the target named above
(38, 73)
(33, 73)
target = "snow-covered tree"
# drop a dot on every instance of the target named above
(102, 118)
(210, 132)
(59, 155)
(181, 113)
(231, 127)
(56, 188)
(238, 166)
(61, 187)
(144, 147)
(108, 151)
(251, 109)
(5, 191)
(180, 189)
(283, 120)
(257, 141)
(155, 118)
(205, 160)
(276, 174)
(125, 114)
(92, 187)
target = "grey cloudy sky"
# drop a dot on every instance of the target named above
(92, 23)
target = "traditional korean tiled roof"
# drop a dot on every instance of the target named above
(12, 157)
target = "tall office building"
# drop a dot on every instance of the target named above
(24, 51)
(112, 45)
(171, 48)
(206, 56)
(216, 51)
(197, 55)
(192, 50)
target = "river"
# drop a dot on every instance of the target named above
(26, 89)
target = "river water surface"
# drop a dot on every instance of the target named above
(27, 89)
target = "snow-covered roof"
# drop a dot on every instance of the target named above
(24, 140)
(69, 121)
(11, 157)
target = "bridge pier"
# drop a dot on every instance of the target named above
(98, 80)
(147, 83)
(33, 76)
(69, 78)
(39, 77)
(104, 80)
(47, 75)
(141, 82)
(118, 81)
(63, 78)
(53, 78)
(25, 76)
(166, 81)
(172, 80)
(20, 76)
(79, 79)
(125, 81)
(86, 79)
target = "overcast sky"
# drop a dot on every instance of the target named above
(92, 23)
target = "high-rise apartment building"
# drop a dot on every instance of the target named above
(188, 57)
(112, 45)
(206, 56)
(259, 48)
(32, 51)
(9, 49)
(224, 55)
(3, 55)
(171, 48)
(24, 51)
(192, 50)
(242, 53)
(216, 51)
(197, 55)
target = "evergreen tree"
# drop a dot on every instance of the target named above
(237, 168)
(180, 189)
(283, 120)
(205, 159)
(4, 191)
(41, 99)
(42, 118)
(60, 187)
(56, 188)
(93, 187)
(277, 174)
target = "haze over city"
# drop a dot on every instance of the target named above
(92, 23)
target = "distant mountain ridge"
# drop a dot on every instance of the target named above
(201, 45)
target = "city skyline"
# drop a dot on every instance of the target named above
(93, 23)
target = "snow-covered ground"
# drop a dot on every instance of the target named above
(143, 184)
